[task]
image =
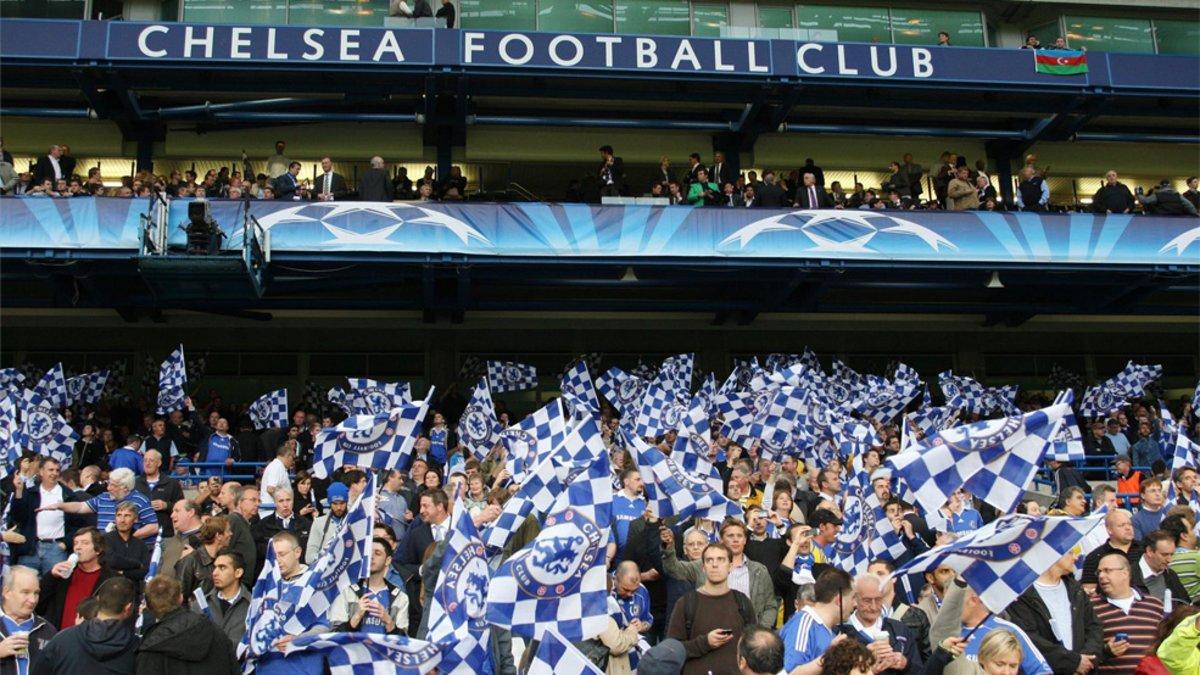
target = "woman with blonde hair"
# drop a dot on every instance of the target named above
(1000, 653)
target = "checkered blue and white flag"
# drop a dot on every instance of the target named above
(557, 656)
(546, 479)
(87, 388)
(372, 397)
(676, 374)
(1184, 452)
(264, 622)
(707, 393)
(776, 417)
(151, 572)
(12, 378)
(43, 429)
(643, 370)
(931, 419)
(621, 389)
(578, 392)
(270, 410)
(692, 441)
(737, 410)
(371, 653)
(10, 435)
(963, 393)
(850, 548)
(172, 380)
(1003, 558)
(558, 581)
(53, 387)
(375, 442)
(458, 611)
(345, 559)
(511, 376)
(660, 411)
(1068, 444)
(844, 385)
(1003, 399)
(1134, 378)
(853, 436)
(994, 459)
(478, 428)
(886, 543)
(672, 491)
(338, 397)
(532, 438)
(777, 361)
(1196, 398)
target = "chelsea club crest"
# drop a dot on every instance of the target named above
(169, 399)
(75, 387)
(465, 587)
(39, 424)
(366, 440)
(476, 425)
(376, 400)
(566, 548)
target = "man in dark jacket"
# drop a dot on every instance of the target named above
(375, 185)
(20, 599)
(228, 601)
(162, 490)
(1058, 617)
(100, 646)
(1112, 197)
(902, 654)
(181, 642)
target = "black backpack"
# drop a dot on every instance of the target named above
(691, 600)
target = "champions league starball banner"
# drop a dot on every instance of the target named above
(551, 230)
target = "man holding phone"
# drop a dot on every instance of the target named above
(710, 619)
(1129, 618)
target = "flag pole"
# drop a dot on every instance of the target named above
(990, 614)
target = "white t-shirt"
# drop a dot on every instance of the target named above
(50, 523)
(1059, 605)
(1125, 604)
(275, 474)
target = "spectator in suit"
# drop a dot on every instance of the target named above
(749, 197)
(811, 195)
(770, 195)
(283, 519)
(694, 168)
(329, 186)
(435, 520)
(375, 186)
(818, 174)
(720, 172)
(287, 187)
(1033, 193)
(446, 11)
(67, 161)
(675, 194)
(984, 190)
(49, 167)
(611, 174)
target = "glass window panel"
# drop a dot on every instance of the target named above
(921, 26)
(653, 17)
(169, 11)
(775, 17)
(1110, 35)
(1046, 33)
(576, 16)
(42, 9)
(220, 363)
(707, 20)
(846, 24)
(498, 14)
(344, 365)
(337, 12)
(1178, 37)
(394, 365)
(235, 11)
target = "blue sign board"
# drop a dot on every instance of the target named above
(536, 230)
(482, 50)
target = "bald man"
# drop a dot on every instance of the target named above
(162, 490)
(633, 604)
(1119, 525)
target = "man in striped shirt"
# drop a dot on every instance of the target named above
(1124, 613)
(120, 489)
(1186, 561)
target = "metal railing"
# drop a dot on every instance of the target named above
(242, 472)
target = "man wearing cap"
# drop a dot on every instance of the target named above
(1129, 482)
(326, 524)
(826, 525)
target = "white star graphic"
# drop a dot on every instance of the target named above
(1181, 242)
(344, 236)
(460, 229)
(745, 234)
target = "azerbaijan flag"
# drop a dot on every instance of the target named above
(1060, 61)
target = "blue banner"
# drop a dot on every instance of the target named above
(591, 231)
(342, 46)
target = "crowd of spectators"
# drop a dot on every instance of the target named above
(952, 184)
(750, 595)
